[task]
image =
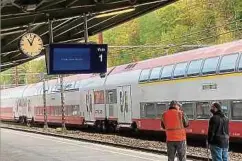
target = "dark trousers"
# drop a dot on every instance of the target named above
(178, 147)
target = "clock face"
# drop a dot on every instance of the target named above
(31, 44)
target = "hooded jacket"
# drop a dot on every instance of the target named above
(218, 131)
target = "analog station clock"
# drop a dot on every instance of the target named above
(31, 44)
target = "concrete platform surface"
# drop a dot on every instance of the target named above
(22, 146)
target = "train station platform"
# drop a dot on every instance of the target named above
(22, 146)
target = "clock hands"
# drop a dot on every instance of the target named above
(33, 40)
(31, 43)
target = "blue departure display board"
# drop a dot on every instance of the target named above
(77, 58)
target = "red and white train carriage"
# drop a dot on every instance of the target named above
(135, 95)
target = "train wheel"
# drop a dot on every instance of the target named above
(28, 123)
(32, 122)
(21, 120)
(111, 128)
(104, 126)
(134, 128)
(98, 126)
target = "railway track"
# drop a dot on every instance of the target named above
(117, 140)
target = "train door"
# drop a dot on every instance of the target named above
(29, 110)
(91, 105)
(24, 107)
(124, 104)
(89, 116)
(16, 109)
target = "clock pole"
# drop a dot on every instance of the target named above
(85, 28)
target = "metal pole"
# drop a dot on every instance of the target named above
(44, 100)
(50, 32)
(100, 38)
(85, 28)
(43, 77)
(61, 81)
(62, 103)
(16, 76)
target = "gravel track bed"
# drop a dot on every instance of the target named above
(122, 140)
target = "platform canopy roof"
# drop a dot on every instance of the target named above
(21, 16)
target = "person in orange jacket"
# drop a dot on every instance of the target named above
(174, 121)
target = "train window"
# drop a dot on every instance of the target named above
(52, 111)
(52, 88)
(69, 86)
(188, 108)
(240, 63)
(77, 85)
(155, 73)
(59, 110)
(236, 111)
(36, 110)
(210, 65)
(71, 110)
(203, 110)
(225, 105)
(167, 72)
(160, 109)
(180, 70)
(75, 110)
(228, 63)
(149, 109)
(56, 110)
(144, 76)
(111, 96)
(99, 97)
(68, 110)
(194, 67)
(39, 111)
(225, 109)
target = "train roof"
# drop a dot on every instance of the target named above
(8, 93)
(212, 51)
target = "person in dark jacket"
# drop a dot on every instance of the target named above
(218, 134)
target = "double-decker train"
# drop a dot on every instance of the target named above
(135, 95)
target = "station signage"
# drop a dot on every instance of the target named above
(76, 58)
